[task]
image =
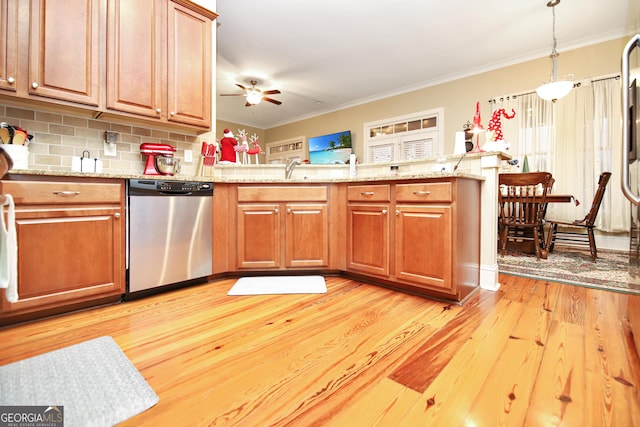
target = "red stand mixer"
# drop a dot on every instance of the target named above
(160, 160)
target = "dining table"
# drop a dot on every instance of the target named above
(559, 198)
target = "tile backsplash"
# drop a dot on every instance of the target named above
(58, 137)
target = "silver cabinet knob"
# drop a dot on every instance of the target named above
(276, 210)
(288, 210)
(158, 110)
(34, 85)
(397, 212)
(172, 113)
(384, 211)
(11, 80)
(116, 215)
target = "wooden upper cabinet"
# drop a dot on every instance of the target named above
(159, 60)
(189, 66)
(65, 50)
(134, 56)
(8, 44)
(147, 59)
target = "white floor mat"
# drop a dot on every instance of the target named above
(269, 285)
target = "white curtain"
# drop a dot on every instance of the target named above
(531, 132)
(575, 138)
(589, 142)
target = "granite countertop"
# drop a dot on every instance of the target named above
(305, 173)
(118, 175)
(266, 179)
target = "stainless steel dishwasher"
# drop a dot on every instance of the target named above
(169, 229)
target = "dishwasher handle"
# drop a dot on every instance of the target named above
(174, 193)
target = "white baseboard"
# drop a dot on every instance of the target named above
(616, 242)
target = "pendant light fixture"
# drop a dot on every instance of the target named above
(555, 88)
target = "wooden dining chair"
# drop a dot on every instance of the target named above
(522, 200)
(580, 231)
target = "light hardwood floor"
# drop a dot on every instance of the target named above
(534, 353)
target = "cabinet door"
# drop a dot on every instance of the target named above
(65, 52)
(423, 246)
(189, 67)
(259, 236)
(8, 44)
(134, 56)
(368, 239)
(307, 235)
(68, 256)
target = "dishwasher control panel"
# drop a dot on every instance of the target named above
(149, 186)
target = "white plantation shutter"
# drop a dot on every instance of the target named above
(382, 153)
(418, 149)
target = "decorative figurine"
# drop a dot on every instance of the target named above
(495, 138)
(242, 147)
(227, 151)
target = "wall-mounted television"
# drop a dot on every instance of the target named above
(330, 149)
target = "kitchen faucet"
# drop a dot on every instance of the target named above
(288, 169)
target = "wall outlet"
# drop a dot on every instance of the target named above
(188, 156)
(110, 139)
(110, 149)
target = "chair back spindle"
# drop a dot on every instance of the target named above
(522, 199)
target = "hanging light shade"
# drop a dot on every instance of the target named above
(555, 88)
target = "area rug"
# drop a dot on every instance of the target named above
(89, 384)
(272, 285)
(612, 270)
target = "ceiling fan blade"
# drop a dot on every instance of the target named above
(232, 94)
(248, 105)
(240, 86)
(273, 101)
(271, 92)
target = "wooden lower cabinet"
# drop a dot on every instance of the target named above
(423, 246)
(306, 235)
(368, 239)
(283, 235)
(71, 246)
(259, 236)
(425, 240)
(282, 227)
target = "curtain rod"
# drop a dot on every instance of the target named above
(578, 84)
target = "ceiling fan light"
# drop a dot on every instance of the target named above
(254, 97)
(554, 90)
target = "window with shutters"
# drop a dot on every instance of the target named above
(281, 151)
(416, 136)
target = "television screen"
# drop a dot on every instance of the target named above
(330, 149)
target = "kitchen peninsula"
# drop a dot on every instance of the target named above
(420, 231)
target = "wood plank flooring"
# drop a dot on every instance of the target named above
(534, 353)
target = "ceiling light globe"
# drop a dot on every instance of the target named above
(254, 97)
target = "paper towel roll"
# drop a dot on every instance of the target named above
(352, 166)
(460, 146)
(87, 165)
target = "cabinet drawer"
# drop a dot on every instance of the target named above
(426, 192)
(282, 194)
(42, 192)
(369, 193)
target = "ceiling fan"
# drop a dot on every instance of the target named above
(254, 95)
